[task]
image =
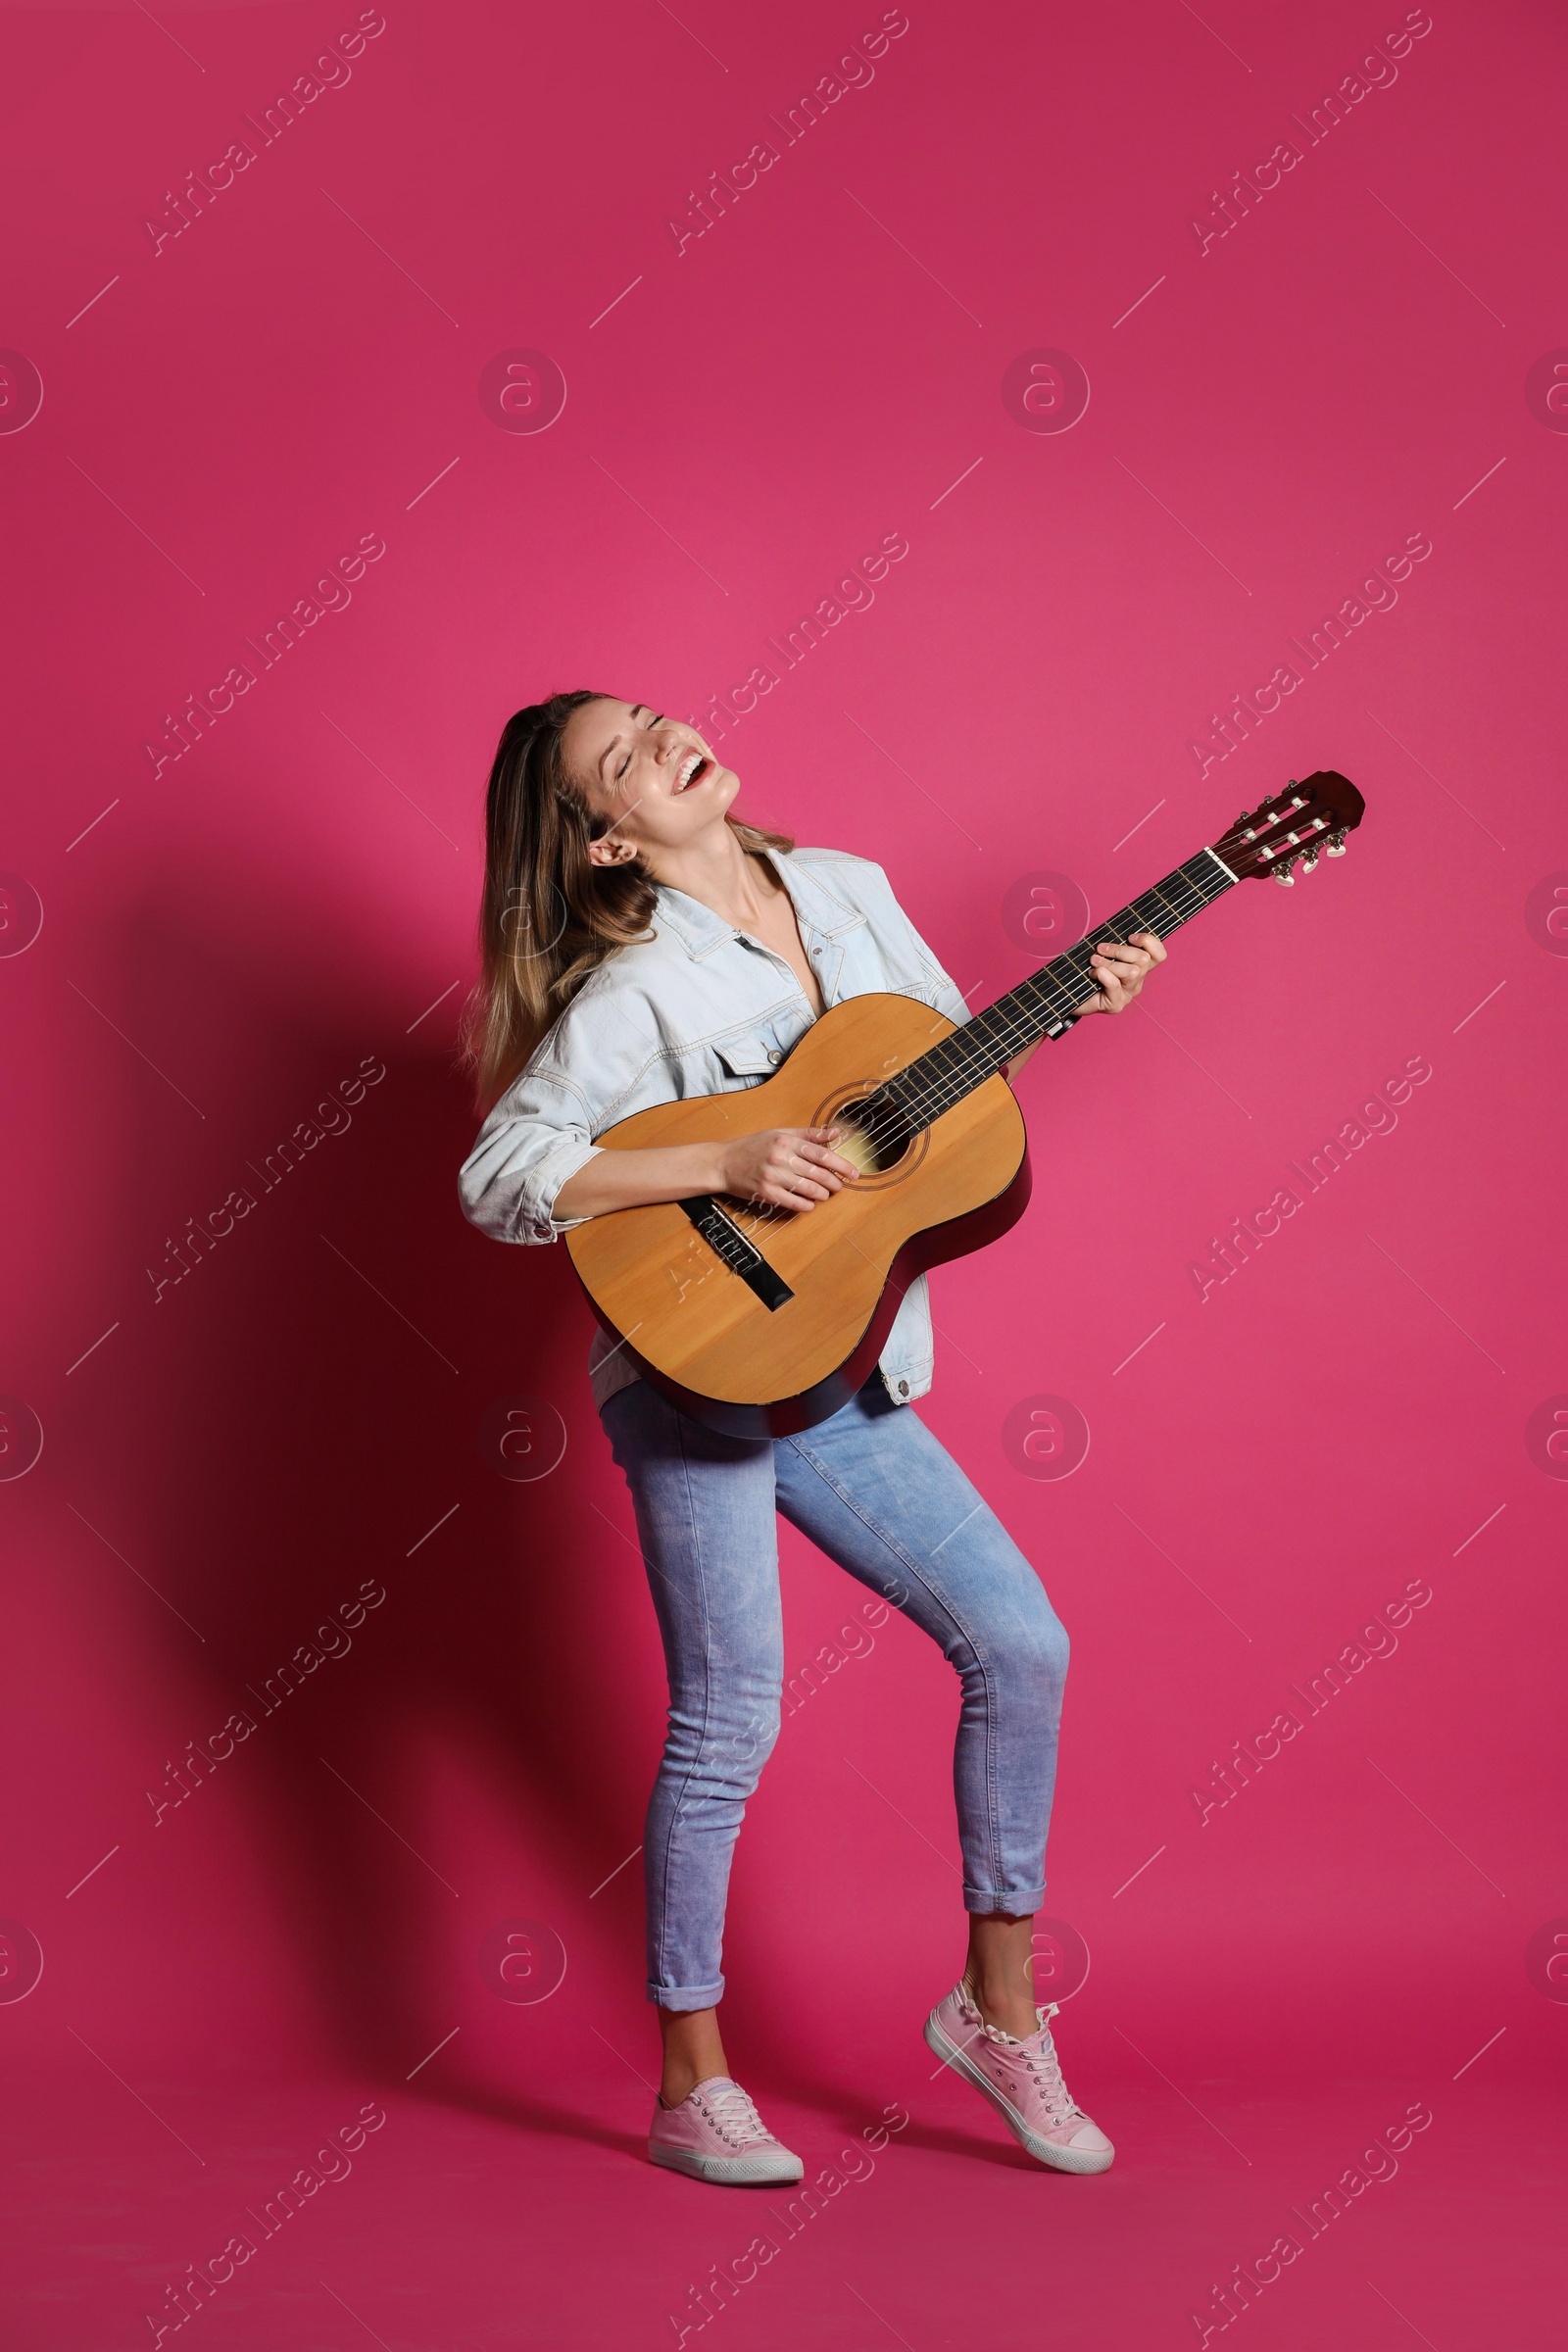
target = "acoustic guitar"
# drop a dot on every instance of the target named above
(759, 1321)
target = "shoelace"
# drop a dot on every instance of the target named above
(1045, 2068)
(1043, 2065)
(733, 2115)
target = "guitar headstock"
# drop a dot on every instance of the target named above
(1292, 828)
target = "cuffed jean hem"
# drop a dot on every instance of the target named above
(1016, 1907)
(687, 1997)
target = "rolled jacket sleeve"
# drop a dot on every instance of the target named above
(537, 1136)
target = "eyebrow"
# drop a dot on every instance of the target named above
(616, 738)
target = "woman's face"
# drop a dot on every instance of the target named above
(652, 777)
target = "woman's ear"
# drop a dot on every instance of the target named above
(606, 850)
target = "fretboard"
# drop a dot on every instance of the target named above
(1043, 1005)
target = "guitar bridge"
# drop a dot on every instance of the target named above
(726, 1239)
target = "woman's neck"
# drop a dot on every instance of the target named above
(717, 871)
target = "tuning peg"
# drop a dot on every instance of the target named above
(1283, 874)
(1309, 863)
(1335, 847)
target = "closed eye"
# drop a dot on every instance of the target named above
(653, 721)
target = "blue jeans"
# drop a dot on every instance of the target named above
(875, 1491)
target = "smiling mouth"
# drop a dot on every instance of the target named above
(692, 771)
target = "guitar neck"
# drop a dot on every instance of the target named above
(1043, 1005)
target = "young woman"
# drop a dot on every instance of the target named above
(641, 945)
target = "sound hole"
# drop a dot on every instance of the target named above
(874, 1133)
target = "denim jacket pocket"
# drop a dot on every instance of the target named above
(754, 1057)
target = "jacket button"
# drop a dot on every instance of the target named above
(775, 1054)
(904, 1387)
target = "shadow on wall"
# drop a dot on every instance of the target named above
(306, 1409)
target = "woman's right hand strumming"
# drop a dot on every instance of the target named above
(788, 1167)
(783, 1167)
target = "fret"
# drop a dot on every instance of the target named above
(1041, 1005)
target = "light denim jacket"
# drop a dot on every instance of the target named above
(699, 1008)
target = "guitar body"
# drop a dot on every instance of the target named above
(703, 1334)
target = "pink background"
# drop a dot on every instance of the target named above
(224, 943)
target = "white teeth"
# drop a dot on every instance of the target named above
(688, 769)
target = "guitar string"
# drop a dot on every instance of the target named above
(1050, 997)
(1039, 982)
(928, 1101)
(1203, 894)
(905, 1113)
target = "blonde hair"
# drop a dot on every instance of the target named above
(548, 916)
